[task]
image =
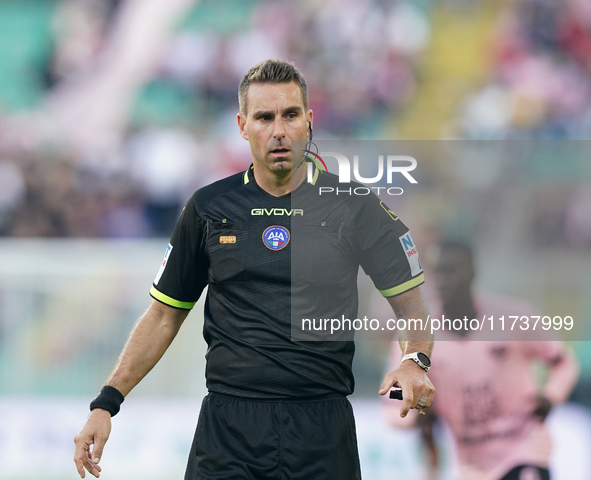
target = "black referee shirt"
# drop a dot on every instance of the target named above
(271, 261)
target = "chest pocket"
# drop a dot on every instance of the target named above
(324, 255)
(227, 249)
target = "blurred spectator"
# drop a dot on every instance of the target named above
(578, 218)
(12, 190)
(80, 29)
(163, 163)
(540, 84)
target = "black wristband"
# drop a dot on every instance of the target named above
(110, 399)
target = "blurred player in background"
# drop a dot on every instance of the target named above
(277, 408)
(486, 390)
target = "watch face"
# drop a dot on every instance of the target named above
(424, 359)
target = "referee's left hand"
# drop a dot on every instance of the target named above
(414, 383)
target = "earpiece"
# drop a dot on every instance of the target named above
(308, 144)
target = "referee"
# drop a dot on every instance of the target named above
(271, 253)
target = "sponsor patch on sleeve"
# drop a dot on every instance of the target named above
(163, 264)
(412, 253)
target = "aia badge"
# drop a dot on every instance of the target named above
(276, 237)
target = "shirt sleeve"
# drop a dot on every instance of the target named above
(183, 272)
(387, 251)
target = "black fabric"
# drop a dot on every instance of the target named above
(248, 439)
(109, 399)
(255, 293)
(527, 472)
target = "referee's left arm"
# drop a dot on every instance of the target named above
(409, 376)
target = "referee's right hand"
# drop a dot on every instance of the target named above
(95, 432)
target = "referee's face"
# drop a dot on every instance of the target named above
(275, 117)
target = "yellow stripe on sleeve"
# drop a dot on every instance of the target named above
(171, 302)
(390, 292)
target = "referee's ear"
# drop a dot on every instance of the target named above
(242, 125)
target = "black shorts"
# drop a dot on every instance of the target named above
(527, 472)
(243, 439)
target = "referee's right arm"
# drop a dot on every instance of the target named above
(150, 337)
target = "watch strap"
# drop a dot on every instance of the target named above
(415, 357)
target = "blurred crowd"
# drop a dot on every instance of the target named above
(129, 157)
(359, 58)
(539, 84)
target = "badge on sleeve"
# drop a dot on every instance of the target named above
(163, 264)
(412, 254)
(276, 237)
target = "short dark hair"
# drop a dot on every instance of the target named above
(460, 247)
(271, 71)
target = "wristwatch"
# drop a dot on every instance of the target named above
(420, 358)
